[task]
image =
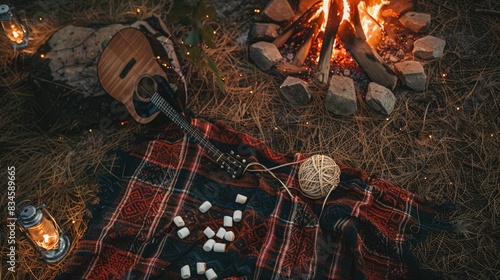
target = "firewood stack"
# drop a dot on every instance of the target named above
(283, 23)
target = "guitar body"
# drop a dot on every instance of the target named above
(129, 71)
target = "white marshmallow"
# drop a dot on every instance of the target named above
(209, 232)
(179, 221)
(221, 232)
(210, 274)
(201, 267)
(228, 221)
(183, 232)
(241, 199)
(185, 272)
(237, 215)
(219, 247)
(205, 206)
(229, 236)
(209, 245)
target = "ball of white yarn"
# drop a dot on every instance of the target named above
(318, 175)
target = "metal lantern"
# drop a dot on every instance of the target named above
(14, 29)
(43, 232)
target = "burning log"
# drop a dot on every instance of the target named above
(332, 26)
(289, 30)
(366, 57)
(302, 53)
(356, 19)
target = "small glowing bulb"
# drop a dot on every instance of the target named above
(164, 64)
(444, 75)
(158, 57)
(430, 136)
(90, 130)
(458, 108)
(40, 19)
(123, 123)
(307, 123)
(215, 32)
(138, 10)
(450, 183)
(187, 53)
(241, 75)
(251, 91)
(275, 128)
(42, 55)
(491, 135)
(257, 11)
(73, 221)
(425, 178)
(387, 119)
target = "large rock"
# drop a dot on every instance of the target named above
(411, 74)
(265, 55)
(296, 91)
(429, 47)
(264, 31)
(279, 10)
(416, 22)
(380, 98)
(341, 96)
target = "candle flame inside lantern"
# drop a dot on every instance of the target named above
(14, 30)
(44, 234)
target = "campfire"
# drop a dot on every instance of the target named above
(327, 29)
(313, 36)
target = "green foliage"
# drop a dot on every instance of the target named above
(197, 16)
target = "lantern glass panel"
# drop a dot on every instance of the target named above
(14, 30)
(45, 234)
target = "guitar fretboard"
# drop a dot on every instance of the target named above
(194, 134)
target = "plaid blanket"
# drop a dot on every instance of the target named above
(364, 232)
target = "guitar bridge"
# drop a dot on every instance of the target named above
(127, 68)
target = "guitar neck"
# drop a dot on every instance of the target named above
(194, 134)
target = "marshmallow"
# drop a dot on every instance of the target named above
(183, 232)
(241, 199)
(185, 272)
(205, 206)
(209, 245)
(179, 221)
(209, 232)
(210, 274)
(237, 215)
(201, 267)
(229, 236)
(219, 247)
(228, 221)
(221, 232)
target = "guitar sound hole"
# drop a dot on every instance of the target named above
(145, 89)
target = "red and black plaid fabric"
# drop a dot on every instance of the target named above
(365, 231)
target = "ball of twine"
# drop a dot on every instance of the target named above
(318, 175)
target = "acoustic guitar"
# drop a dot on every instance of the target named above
(129, 71)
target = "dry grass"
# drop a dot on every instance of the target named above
(442, 143)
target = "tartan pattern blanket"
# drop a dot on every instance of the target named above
(365, 231)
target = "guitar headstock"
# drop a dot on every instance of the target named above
(232, 164)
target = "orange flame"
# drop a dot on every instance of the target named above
(370, 21)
